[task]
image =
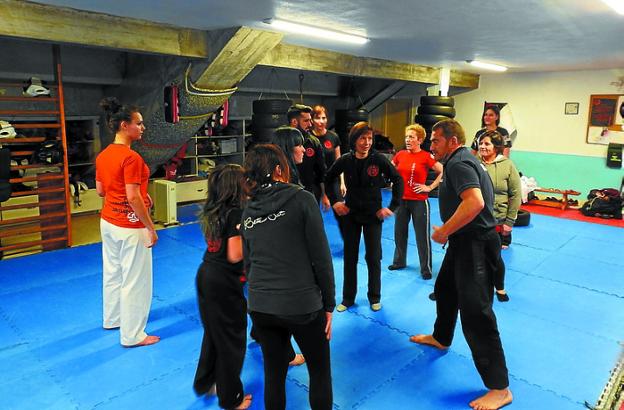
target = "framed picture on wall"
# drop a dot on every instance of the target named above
(605, 122)
(571, 108)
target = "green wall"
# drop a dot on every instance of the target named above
(580, 173)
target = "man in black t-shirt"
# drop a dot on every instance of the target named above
(312, 169)
(465, 281)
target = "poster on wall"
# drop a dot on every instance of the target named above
(605, 122)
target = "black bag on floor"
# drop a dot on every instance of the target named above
(603, 203)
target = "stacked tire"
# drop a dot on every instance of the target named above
(267, 116)
(431, 110)
(345, 120)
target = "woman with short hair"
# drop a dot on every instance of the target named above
(507, 194)
(413, 164)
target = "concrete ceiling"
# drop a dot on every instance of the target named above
(525, 35)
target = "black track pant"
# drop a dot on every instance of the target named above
(418, 212)
(274, 334)
(465, 284)
(352, 231)
(223, 311)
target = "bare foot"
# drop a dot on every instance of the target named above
(492, 400)
(245, 404)
(149, 340)
(297, 361)
(427, 340)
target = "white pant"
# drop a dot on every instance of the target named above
(127, 281)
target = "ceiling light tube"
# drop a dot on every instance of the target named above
(617, 5)
(315, 31)
(487, 66)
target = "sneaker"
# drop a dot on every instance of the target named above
(396, 267)
(376, 307)
(502, 297)
(341, 308)
(426, 275)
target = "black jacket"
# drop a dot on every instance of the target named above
(364, 179)
(289, 265)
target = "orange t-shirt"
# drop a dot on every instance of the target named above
(116, 166)
(413, 168)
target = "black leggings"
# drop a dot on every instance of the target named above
(223, 311)
(465, 284)
(274, 334)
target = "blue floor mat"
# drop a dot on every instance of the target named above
(561, 329)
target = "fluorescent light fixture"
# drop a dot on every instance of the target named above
(315, 31)
(617, 5)
(487, 66)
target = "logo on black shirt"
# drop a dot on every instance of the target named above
(214, 245)
(372, 170)
(328, 144)
(309, 152)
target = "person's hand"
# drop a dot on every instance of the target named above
(507, 229)
(343, 189)
(439, 236)
(325, 205)
(150, 202)
(341, 209)
(421, 188)
(152, 238)
(328, 329)
(383, 213)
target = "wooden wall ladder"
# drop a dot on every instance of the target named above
(37, 215)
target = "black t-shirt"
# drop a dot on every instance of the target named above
(463, 171)
(312, 169)
(329, 142)
(215, 256)
(502, 131)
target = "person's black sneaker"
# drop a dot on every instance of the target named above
(502, 297)
(432, 296)
(396, 267)
(426, 275)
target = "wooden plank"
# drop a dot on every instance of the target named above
(29, 112)
(31, 244)
(36, 178)
(242, 52)
(28, 125)
(37, 192)
(304, 58)
(463, 79)
(35, 218)
(31, 229)
(32, 205)
(22, 140)
(36, 99)
(25, 19)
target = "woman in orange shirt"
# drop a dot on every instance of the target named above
(127, 230)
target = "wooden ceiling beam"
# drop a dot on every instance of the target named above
(237, 57)
(24, 19)
(304, 58)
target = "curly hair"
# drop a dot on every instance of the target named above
(225, 192)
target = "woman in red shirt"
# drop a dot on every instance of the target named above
(413, 163)
(127, 230)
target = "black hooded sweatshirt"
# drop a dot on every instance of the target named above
(287, 257)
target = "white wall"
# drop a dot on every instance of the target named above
(537, 102)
